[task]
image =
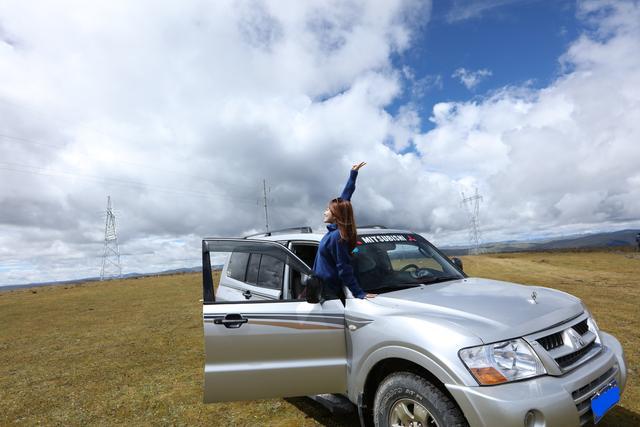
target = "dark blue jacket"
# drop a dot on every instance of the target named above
(333, 261)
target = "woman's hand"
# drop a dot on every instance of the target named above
(369, 296)
(357, 166)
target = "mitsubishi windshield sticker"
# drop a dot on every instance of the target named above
(380, 238)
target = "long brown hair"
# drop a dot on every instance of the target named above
(343, 216)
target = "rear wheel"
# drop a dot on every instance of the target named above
(408, 400)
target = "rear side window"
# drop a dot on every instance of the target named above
(260, 270)
(270, 272)
(237, 266)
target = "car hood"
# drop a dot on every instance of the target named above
(490, 309)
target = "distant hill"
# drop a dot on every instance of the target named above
(612, 239)
(95, 279)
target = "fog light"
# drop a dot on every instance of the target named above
(534, 418)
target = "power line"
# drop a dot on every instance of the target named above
(48, 172)
(38, 170)
(165, 171)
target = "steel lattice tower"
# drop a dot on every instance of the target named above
(111, 254)
(472, 203)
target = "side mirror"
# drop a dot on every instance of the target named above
(313, 288)
(457, 262)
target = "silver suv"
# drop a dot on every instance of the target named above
(435, 347)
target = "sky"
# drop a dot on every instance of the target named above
(180, 110)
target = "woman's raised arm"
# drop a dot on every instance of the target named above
(350, 187)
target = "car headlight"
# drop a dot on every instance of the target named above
(502, 362)
(593, 327)
(591, 323)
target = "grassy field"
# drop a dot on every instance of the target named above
(130, 351)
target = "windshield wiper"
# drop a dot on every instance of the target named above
(399, 287)
(439, 279)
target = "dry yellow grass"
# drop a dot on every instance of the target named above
(130, 351)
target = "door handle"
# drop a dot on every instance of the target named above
(231, 321)
(247, 294)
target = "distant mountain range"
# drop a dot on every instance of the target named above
(586, 241)
(96, 279)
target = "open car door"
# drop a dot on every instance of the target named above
(266, 349)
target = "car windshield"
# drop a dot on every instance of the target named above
(389, 262)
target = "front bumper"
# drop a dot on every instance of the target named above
(557, 401)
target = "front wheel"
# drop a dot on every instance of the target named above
(408, 400)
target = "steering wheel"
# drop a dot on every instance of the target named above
(408, 266)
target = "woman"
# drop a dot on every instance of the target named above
(333, 260)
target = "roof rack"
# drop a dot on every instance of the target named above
(303, 229)
(373, 226)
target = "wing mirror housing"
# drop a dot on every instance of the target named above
(457, 262)
(313, 288)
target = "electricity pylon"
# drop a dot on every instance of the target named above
(111, 254)
(472, 203)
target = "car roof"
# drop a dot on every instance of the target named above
(316, 237)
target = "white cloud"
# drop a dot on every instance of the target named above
(421, 86)
(462, 10)
(559, 158)
(180, 114)
(471, 78)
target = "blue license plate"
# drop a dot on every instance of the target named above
(605, 400)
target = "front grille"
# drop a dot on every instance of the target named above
(582, 396)
(581, 327)
(570, 359)
(551, 341)
(555, 340)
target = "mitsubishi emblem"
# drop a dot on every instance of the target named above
(576, 339)
(534, 297)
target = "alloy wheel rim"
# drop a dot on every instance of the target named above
(409, 413)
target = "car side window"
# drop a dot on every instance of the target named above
(264, 271)
(237, 265)
(252, 269)
(270, 272)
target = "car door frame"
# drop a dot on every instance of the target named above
(286, 290)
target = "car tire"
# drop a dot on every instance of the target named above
(404, 398)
